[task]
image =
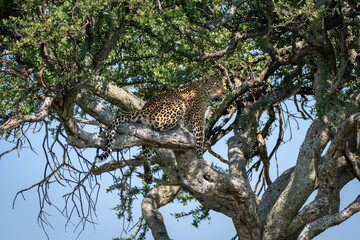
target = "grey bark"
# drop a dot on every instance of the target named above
(155, 199)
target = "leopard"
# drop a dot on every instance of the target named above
(168, 109)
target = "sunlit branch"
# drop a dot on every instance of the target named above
(116, 95)
(316, 227)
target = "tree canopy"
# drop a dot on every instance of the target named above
(68, 67)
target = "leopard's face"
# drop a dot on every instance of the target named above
(215, 87)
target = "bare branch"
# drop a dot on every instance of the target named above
(281, 132)
(10, 150)
(217, 156)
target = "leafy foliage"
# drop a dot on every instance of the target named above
(55, 54)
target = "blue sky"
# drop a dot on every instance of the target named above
(17, 173)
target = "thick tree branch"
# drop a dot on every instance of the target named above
(245, 220)
(308, 183)
(328, 191)
(327, 200)
(154, 200)
(114, 165)
(314, 210)
(199, 177)
(301, 184)
(318, 226)
(272, 194)
(133, 134)
(95, 108)
(118, 96)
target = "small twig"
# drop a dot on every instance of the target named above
(298, 109)
(91, 122)
(281, 133)
(304, 100)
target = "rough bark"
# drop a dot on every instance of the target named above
(307, 49)
(154, 200)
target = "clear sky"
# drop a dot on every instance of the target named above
(17, 173)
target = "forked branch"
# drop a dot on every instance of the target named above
(14, 122)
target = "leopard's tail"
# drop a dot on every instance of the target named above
(110, 139)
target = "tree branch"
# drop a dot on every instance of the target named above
(218, 54)
(301, 184)
(231, 46)
(351, 160)
(118, 96)
(318, 226)
(230, 98)
(154, 200)
(292, 59)
(100, 57)
(114, 165)
(133, 134)
(14, 122)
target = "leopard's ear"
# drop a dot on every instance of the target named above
(206, 78)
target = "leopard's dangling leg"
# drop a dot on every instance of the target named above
(197, 129)
(126, 117)
(148, 177)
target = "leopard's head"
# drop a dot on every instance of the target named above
(215, 87)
